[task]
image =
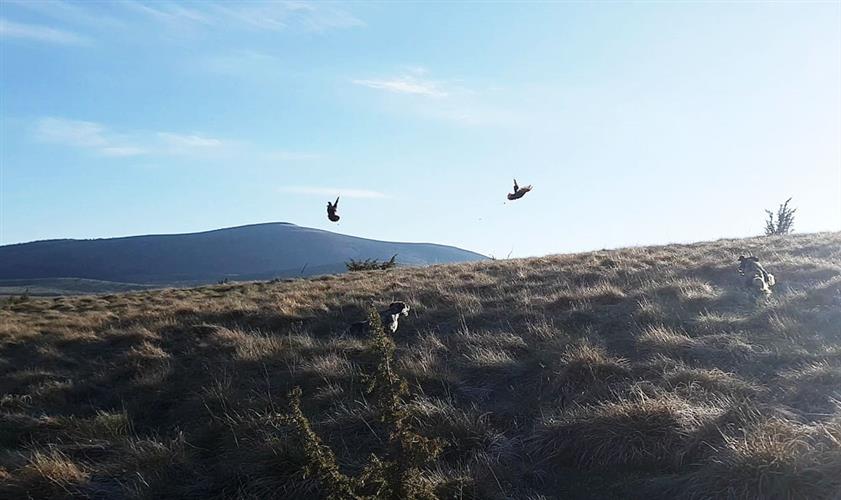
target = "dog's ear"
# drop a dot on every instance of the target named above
(741, 258)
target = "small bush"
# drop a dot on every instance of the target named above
(784, 221)
(371, 264)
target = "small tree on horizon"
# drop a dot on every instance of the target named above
(783, 222)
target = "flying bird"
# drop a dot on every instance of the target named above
(519, 192)
(331, 210)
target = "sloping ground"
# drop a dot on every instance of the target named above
(65, 286)
(640, 373)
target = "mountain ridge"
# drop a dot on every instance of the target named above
(253, 251)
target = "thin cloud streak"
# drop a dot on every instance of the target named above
(183, 19)
(278, 16)
(446, 100)
(84, 135)
(406, 84)
(168, 12)
(330, 192)
(9, 29)
(67, 12)
(259, 16)
(189, 141)
(290, 156)
(99, 139)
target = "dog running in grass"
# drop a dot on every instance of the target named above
(756, 277)
(389, 318)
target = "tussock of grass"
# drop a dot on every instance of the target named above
(639, 431)
(587, 371)
(601, 293)
(779, 459)
(47, 474)
(328, 366)
(688, 290)
(249, 346)
(426, 360)
(723, 349)
(464, 431)
(713, 380)
(649, 312)
(814, 388)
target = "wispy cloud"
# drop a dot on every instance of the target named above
(85, 135)
(68, 12)
(9, 29)
(447, 100)
(260, 16)
(290, 156)
(100, 140)
(174, 19)
(406, 84)
(331, 191)
(276, 16)
(168, 12)
(181, 142)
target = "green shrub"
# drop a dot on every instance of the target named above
(396, 475)
(784, 222)
(371, 264)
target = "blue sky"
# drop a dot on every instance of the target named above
(637, 123)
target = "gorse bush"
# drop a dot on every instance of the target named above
(396, 475)
(371, 264)
(782, 222)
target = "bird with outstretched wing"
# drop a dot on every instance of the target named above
(519, 192)
(331, 211)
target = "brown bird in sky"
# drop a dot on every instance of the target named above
(519, 192)
(331, 210)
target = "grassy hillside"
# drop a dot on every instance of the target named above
(643, 372)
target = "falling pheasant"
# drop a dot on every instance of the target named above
(331, 210)
(519, 192)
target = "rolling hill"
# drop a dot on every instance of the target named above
(259, 251)
(636, 373)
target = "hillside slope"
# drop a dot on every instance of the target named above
(259, 251)
(634, 373)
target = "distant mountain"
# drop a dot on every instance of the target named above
(259, 251)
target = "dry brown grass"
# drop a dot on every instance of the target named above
(624, 373)
(638, 431)
(778, 459)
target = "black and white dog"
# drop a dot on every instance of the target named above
(389, 318)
